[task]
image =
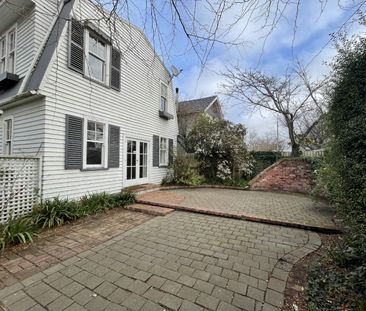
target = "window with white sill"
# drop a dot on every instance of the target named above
(163, 96)
(8, 51)
(8, 136)
(95, 144)
(163, 151)
(97, 65)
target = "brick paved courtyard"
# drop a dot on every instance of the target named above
(283, 207)
(182, 261)
(55, 245)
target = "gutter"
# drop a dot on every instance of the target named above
(20, 99)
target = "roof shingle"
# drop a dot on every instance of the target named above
(195, 105)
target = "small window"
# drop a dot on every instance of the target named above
(2, 54)
(95, 144)
(11, 51)
(7, 51)
(163, 151)
(163, 97)
(97, 58)
(8, 135)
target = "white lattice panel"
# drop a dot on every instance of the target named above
(19, 186)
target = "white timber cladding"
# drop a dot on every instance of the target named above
(31, 30)
(28, 128)
(135, 109)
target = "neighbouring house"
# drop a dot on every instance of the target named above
(86, 91)
(190, 110)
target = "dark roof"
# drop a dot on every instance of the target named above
(10, 92)
(195, 105)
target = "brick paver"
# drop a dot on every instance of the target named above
(296, 209)
(182, 261)
(55, 245)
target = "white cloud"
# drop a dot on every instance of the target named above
(277, 56)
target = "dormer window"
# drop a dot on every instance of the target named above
(163, 96)
(91, 53)
(7, 51)
(97, 58)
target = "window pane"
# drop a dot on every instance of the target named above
(99, 137)
(96, 67)
(11, 63)
(94, 153)
(129, 173)
(2, 65)
(8, 129)
(129, 159)
(133, 176)
(100, 127)
(164, 90)
(162, 103)
(11, 41)
(8, 148)
(91, 135)
(91, 126)
(2, 48)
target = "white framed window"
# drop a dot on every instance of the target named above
(163, 96)
(11, 51)
(97, 58)
(163, 151)
(8, 51)
(95, 145)
(2, 54)
(8, 136)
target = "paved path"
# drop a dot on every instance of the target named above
(182, 261)
(281, 207)
(55, 245)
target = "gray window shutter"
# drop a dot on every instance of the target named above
(156, 150)
(76, 52)
(171, 151)
(74, 143)
(113, 146)
(116, 69)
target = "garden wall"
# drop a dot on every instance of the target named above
(287, 175)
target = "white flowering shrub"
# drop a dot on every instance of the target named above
(219, 145)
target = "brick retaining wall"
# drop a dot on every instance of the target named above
(287, 175)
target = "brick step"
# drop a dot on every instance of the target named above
(150, 209)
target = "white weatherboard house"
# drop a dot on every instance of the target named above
(89, 96)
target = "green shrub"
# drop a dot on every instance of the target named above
(124, 198)
(95, 202)
(16, 231)
(263, 159)
(55, 212)
(184, 171)
(343, 179)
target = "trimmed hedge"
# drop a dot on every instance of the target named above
(263, 159)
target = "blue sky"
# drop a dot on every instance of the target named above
(314, 26)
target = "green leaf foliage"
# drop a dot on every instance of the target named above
(219, 146)
(342, 178)
(17, 231)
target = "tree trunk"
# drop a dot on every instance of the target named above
(295, 147)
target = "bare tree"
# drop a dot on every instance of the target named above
(266, 142)
(293, 96)
(206, 23)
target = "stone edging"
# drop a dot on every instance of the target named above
(243, 216)
(277, 282)
(167, 188)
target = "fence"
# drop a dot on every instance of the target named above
(305, 153)
(20, 180)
